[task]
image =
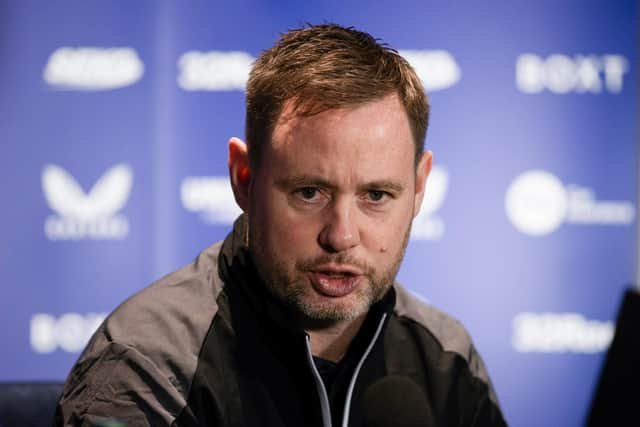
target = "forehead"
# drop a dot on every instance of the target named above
(375, 135)
(382, 117)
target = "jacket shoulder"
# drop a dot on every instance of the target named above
(146, 351)
(442, 336)
(173, 313)
(445, 329)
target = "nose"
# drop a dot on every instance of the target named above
(340, 231)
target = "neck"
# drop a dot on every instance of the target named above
(332, 342)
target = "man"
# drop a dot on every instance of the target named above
(293, 318)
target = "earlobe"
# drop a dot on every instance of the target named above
(422, 173)
(239, 171)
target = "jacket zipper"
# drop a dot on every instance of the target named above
(322, 391)
(352, 384)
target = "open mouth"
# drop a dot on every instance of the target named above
(334, 283)
(336, 273)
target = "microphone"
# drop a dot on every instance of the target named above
(612, 403)
(396, 401)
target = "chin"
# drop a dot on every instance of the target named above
(330, 312)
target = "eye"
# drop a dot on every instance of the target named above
(376, 195)
(307, 193)
(308, 198)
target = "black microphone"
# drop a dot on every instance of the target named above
(613, 403)
(396, 401)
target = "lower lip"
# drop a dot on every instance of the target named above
(334, 286)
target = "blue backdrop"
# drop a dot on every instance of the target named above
(114, 119)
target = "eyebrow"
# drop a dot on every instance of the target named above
(385, 185)
(304, 181)
(316, 181)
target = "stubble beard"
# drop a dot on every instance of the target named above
(295, 291)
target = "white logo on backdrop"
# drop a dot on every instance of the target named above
(437, 69)
(211, 196)
(428, 225)
(91, 215)
(560, 333)
(563, 74)
(70, 332)
(214, 71)
(537, 203)
(93, 68)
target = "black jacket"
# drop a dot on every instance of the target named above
(208, 345)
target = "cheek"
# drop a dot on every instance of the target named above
(282, 229)
(386, 236)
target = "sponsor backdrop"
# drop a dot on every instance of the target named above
(114, 120)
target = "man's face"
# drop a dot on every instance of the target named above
(330, 207)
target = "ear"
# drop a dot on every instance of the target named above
(422, 173)
(239, 172)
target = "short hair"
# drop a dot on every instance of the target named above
(322, 67)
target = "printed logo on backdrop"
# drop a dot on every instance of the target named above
(93, 68)
(537, 203)
(214, 70)
(563, 74)
(437, 69)
(560, 333)
(87, 215)
(70, 332)
(227, 71)
(211, 197)
(428, 225)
